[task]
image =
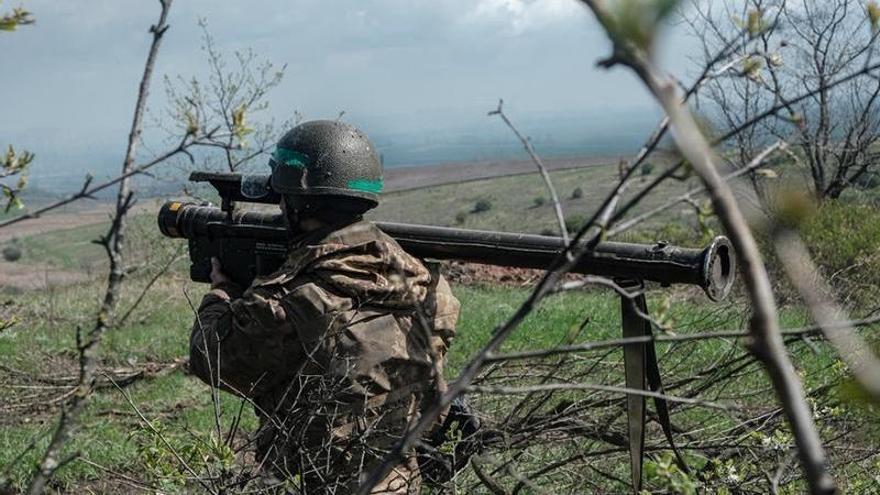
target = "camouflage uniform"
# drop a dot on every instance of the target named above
(338, 350)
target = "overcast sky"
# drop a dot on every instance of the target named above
(392, 65)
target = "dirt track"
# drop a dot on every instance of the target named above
(36, 277)
(30, 276)
(86, 213)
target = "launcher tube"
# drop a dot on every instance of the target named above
(711, 268)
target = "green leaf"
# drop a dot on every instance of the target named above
(752, 67)
(637, 21)
(18, 17)
(664, 8)
(755, 23)
(873, 11)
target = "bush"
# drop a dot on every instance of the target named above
(538, 202)
(12, 253)
(574, 223)
(869, 181)
(549, 233)
(841, 235)
(482, 205)
(460, 217)
(844, 240)
(675, 233)
(578, 193)
(647, 169)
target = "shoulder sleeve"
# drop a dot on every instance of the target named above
(242, 345)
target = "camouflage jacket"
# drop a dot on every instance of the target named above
(350, 322)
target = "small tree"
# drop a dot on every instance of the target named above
(482, 205)
(228, 101)
(574, 223)
(578, 193)
(780, 50)
(538, 202)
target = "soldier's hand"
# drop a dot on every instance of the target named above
(217, 275)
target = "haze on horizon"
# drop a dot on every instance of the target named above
(408, 72)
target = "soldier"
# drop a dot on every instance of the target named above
(343, 346)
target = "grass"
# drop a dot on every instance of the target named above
(74, 248)
(70, 248)
(512, 200)
(159, 334)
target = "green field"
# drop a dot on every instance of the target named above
(114, 438)
(513, 200)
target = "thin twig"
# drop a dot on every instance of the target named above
(527, 144)
(690, 337)
(162, 271)
(552, 387)
(88, 191)
(113, 243)
(766, 338)
(851, 348)
(755, 163)
(161, 437)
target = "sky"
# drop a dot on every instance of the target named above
(396, 67)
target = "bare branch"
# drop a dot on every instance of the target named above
(155, 278)
(851, 348)
(758, 161)
(88, 191)
(767, 341)
(583, 243)
(113, 244)
(689, 337)
(527, 144)
(590, 386)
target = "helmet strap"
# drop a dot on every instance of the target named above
(300, 208)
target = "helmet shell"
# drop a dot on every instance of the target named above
(327, 158)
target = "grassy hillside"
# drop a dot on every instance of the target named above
(155, 338)
(146, 356)
(152, 343)
(519, 203)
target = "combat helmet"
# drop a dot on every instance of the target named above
(325, 164)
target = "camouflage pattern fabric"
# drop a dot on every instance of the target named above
(338, 351)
